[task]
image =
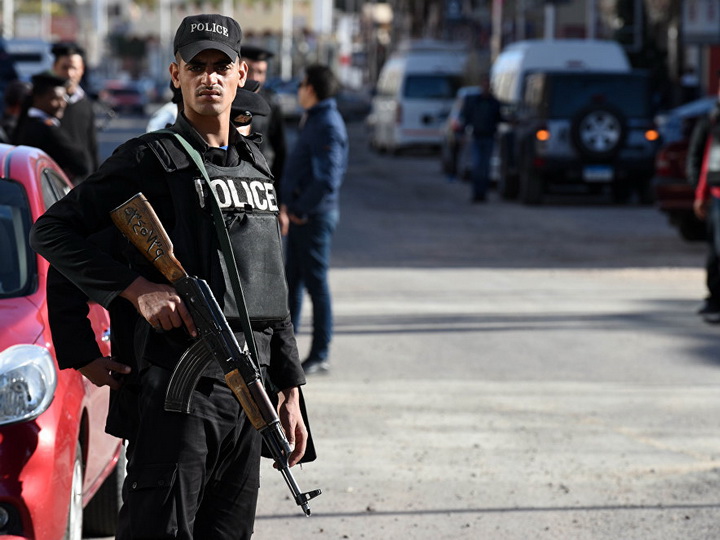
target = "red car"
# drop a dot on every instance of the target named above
(57, 464)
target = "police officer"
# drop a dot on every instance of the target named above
(272, 126)
(189, 475)
(79, 118)
(39, 125)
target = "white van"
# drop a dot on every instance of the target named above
(512, 66)
(415, 92)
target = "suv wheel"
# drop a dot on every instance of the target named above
(598, 132)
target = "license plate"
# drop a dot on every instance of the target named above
(598, 173)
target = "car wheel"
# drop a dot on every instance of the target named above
(74, 529)
(102, 511)
(598, 132)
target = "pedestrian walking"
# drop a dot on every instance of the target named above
(309, 212)
(481, 114)
(39, 125)
(705, 207)
(79, 118)
(189, 475)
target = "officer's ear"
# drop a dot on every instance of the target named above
(174, 74)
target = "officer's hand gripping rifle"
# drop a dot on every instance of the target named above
(137, 220)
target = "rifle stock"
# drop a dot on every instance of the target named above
(137, 220)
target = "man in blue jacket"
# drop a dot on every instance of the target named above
(309, 214)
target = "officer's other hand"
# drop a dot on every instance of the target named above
(292, 423)
(700, 207)
(160, 305)
(105, 371)
(284, 222)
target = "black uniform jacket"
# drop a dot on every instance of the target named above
(79, 122)
(62, 235)
(272, 129)
(49, 137)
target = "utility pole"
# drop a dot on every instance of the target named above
(8, 19)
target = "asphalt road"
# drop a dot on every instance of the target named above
(506, 372)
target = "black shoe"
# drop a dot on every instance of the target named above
(315, 366)
(710, 307)
(479, 199)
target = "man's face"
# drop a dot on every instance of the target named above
(70, 67)
(208, 82)
(257, 70)
(52, 102)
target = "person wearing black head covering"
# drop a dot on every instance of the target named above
(271, 127)
(79, 118)
(39, 125)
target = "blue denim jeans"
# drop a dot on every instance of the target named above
(482, 148)
(306, 266)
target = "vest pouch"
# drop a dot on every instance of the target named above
(257, 244)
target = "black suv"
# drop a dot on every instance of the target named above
(588, 128)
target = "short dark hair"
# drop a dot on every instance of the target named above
(323, 81)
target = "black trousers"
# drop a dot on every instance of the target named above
(190, 476)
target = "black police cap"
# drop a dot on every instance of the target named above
(255, 53)
(197, 33)
(249, 101)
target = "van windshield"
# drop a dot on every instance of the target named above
(431, 86)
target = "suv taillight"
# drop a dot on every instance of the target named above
(398, 114)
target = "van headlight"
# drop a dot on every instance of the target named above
(27, 383)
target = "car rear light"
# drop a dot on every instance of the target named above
(398, 114)
(542, 135)
(652, 135)
(669, 163)
(27, 383)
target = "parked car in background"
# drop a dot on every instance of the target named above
(58, 467)
(124, 96)
(415, 91)
(454, 149)
(674, 194)
(588, 128)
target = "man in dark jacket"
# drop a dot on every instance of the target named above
(39, 125)
(310, 211)
(481, 113)
(189, 475)
(710, 309)
(79, 118)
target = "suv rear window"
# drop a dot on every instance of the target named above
(431, 86)
(628, 94)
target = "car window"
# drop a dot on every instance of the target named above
(628, 94)
(17, 260)
(54, 187)
(431, 86)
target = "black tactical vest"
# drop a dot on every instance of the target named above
(247, 198)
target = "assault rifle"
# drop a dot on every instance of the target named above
(137, 220)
